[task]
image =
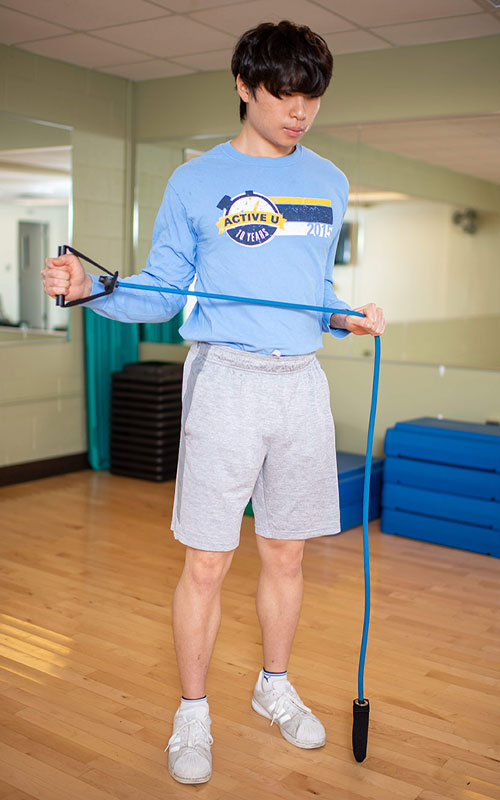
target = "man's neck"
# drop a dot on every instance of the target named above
(251, 143)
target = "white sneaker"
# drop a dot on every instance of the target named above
(277, 700)
(189, 756)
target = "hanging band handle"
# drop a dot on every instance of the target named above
(109, 283)
(61, 251)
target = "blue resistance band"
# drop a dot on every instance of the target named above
(361, 705)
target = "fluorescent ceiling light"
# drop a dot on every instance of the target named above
(376, 197)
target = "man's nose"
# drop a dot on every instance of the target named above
(298, 109)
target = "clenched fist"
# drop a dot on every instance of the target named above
(65, 275)
(372, 323)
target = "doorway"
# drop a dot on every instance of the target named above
(33, 248)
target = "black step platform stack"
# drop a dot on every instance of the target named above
(146, 400)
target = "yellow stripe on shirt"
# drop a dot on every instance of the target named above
(295, 201)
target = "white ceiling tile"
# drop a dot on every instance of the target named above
(185, 6)
(449, 142)
(16, 27)
(217, 59)
(441, 30)
(88, 14)
(238, 19)
(384, 12)
(167, 37)
(47, 157)
(147, 70)
(485, 126)
(354, 42)
(78, 48)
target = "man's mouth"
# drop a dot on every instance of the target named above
(294, 131)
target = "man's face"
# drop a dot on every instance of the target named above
(281, 121)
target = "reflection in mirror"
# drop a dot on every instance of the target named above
(35, 217)
(425, 196)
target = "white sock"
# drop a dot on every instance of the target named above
(199, 702)
(268, 676)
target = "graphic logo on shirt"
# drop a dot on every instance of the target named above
(249, 218)
(253, 219)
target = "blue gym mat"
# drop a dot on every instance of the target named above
(352, 516)
(351, 474)
(441, 531)
(441, 483)
(442, 478)
(472, 510)
(464, 444)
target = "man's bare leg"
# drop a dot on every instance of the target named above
(279, 598)
(279, 601)
(196, 615)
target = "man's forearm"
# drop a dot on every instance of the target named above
(339, 321)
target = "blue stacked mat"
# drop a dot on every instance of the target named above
(351, 473)
(441, 483)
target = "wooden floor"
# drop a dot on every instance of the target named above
(88, 681)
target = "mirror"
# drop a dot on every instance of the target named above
(425, 200)
(35, 218)
(424, 237)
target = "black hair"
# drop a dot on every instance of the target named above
(283, 58)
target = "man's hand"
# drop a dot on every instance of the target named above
(372, 323)
(65, 275)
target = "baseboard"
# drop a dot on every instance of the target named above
(46, 468)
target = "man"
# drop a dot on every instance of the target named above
(259, 217)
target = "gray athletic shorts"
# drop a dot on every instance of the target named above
(260, 427)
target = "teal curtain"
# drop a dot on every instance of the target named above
(109, 345)
(166, 332)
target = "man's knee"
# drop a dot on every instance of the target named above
(207, 568)
(281, 555)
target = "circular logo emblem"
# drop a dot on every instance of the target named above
(250, 219)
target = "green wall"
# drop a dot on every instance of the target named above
(406, 391)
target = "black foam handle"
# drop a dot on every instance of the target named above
(61, 251)
(361, 716)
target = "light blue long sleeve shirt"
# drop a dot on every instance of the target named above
(247, 226)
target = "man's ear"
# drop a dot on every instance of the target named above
(242, 89)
